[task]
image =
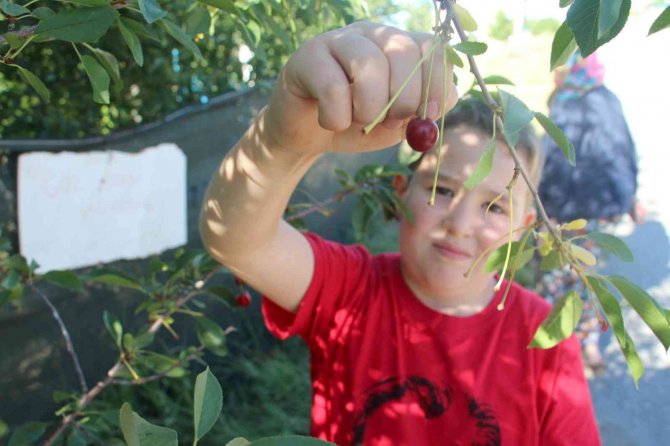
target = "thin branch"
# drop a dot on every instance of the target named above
(492, 103)
(66, 336)
(321, 206)
(157, 376)
(83, 402)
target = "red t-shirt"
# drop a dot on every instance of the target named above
(389, 371)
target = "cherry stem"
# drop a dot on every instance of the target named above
(431, 201)
(367, 129)
(427, 89)
(509, 242)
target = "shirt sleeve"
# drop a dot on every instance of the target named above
(570, 418)
(340, 278)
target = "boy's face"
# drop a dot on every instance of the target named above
(448, 237)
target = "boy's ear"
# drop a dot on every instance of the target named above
(530, 217)
(400, 183)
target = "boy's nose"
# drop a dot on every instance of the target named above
(459, 219)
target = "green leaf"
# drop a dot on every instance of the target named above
(661, 22)
(612, 244)
(575, 225)
(66, 279)
(19, 263)
(564, 3)
(98, 77)
(558, 136)
(212, 336)
(151, 10)
(239, 441)
(27, 434)
(132, 41)
(139, 432)
(88, 2)
(144, 340)
(515, 116)
(79, 25)
(623, 12)
(35, 82)
(181, 37)
(42, 12)
(497, 80)
(583, 255)
(142, 29)
(207, 403)
(464, 17)
(471, 48)
(646, 307)
(612, 308)
(360, 217)
(553, 260)
(198, 21)
(111, 65)
(225, 5)
(114, 278)
(114, 327)
(15, 40)
(162, 364)
(11, 280)
(453, 57)
(587, 18)
(14, 9)
(496, 260)
(560, 323)
(290, 440)
(223, 293)
(483, 167)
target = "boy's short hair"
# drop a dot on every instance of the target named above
(476, 114)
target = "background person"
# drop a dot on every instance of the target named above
(601, 187)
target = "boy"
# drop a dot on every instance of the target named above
(404, 349)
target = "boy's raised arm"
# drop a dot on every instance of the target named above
(329, 90)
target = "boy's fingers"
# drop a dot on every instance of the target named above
(402, 53)
(367, 68)
(314, 73)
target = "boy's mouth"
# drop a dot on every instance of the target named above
(451, 251)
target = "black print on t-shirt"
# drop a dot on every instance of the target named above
(434, 402)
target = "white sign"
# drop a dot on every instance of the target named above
(80, 209)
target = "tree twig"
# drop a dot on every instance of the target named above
(499, 123)
(66, 337)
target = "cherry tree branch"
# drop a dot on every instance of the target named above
(66, 336)
(499, 123)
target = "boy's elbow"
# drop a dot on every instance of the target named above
(211, 233)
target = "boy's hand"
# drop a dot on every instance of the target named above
(340, 81)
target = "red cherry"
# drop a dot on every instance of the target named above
(243, 299)
(603, 326)
(421, 134)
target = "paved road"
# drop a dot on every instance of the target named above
(628, 416)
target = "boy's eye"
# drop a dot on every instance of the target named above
(444, 191)
(494, 208)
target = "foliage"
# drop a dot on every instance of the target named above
(502, 28)
(205, 40)
(143, 66)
